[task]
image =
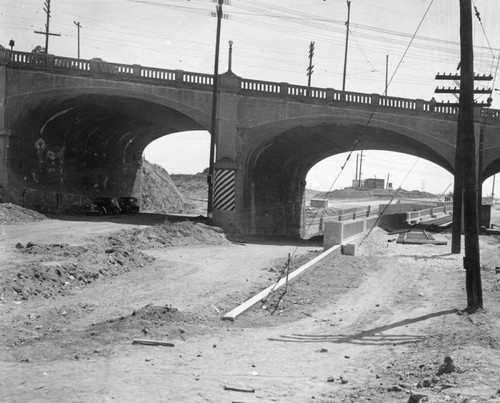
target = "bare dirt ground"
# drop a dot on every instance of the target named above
(376, 326)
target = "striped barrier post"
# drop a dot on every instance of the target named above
(224, 190)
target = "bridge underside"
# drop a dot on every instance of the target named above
(277, 169)
(84, 145)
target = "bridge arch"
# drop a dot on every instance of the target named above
(282, 154)
(90, 140)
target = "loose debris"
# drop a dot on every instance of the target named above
(152, 343)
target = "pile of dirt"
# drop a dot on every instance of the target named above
(158, 191)
(96, 339)
(172, 234)
(11, 213)
(154, 321)
(56, 269)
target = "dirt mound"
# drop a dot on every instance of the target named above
(56, 269)
(172, 234)
(158, 191)
(154, 321)
(11, 213)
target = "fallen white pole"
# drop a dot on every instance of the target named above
(263, 294)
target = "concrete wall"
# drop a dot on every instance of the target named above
(340, 232)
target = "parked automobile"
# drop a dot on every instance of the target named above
(129, 205)
(103, 206)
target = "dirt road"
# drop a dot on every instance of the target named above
(370, 327)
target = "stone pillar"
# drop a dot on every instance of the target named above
(225, 206)
(179, 76)
(284, 89)
(136, 70)
(420, 104)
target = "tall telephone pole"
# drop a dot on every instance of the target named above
(213, 128)
(47, 32)
(78, 26)
(468, 167)
(346, 41)
(310, 68)
(386, 73)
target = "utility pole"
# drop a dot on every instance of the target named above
(47, 32)
(310, 68)
(78, 26)
(386, 73)
(360, 165)
(346, 41)
(357, 162)
(493, 191)
(458, 186)
(466, 127)
(213, 129)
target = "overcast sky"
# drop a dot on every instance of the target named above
(271, 42)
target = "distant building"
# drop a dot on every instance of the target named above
(319, 203)
(373, 183)
(357, 183)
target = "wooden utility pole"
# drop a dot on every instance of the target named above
(346, 41)
(466, 132)
(47, 32)
(310, 68)
(386, 73)
(213, 129)
(78, 26)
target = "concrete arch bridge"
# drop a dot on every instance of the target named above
(72, 129)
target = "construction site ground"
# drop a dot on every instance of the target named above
(377, 326)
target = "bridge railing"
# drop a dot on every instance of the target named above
(245, 86)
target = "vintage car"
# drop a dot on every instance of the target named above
(129, 205)
(103, 206)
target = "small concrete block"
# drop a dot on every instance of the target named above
(349, 249)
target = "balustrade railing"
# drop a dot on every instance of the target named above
(260, 86)
(266, 88)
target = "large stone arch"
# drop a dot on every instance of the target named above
(280, 155)
(89, 140)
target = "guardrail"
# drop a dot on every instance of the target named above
(316, 226)
(245, 86)
(416, 217)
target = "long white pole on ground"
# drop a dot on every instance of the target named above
(263, 294)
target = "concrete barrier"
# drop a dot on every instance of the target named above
(341, 232)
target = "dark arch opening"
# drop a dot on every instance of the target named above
(87, 145)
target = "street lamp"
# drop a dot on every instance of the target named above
(11, 44)
(230, 61)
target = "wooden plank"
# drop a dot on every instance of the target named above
(239, 389)
(263, 294)
(152, 342)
